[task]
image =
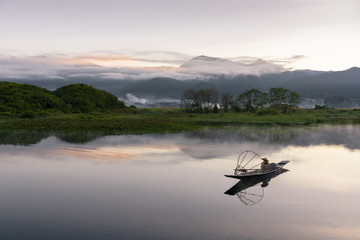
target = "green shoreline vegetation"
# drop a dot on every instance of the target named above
(174, 120)
(79, 107)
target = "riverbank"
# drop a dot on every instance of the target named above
(169, 120)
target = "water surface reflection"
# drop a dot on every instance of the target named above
(172, 186)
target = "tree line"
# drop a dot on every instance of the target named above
(209, 100)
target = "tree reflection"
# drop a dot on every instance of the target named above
(27, 137)
(269, 134)
(80, 137)
(227, 137)
(251, 191)
(23, 138)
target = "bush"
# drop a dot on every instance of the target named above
(28, 114)
(84, 116)
(44, 114)
(17, 98)
(267, 111)
(6, 114)
(216, 109)
(320, 107)
(85, 99)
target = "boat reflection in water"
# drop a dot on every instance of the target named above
(250, 191)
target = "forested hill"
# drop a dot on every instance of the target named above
(30, 100)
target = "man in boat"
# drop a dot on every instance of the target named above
(266, 166)
(264, 163)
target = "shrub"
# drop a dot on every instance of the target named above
(267, 111)
(6, 114)
(85, 99)
(28, 114)
(320, 107)
(216, 109)
(44, 114)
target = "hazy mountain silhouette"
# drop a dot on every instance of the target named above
(343, 83)
(307, 83)
(167, 87)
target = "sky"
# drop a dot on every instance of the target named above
(297, 34)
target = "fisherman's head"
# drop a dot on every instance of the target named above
(265, 159)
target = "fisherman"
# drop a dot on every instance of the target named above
(264, 163)
(266, 166)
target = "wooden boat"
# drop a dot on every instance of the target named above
(250, 182)
(250, 190)
(249, 166)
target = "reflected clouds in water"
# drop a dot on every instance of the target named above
(202, 145)
(335, 167)
(172, 185)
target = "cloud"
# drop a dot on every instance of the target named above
(134, 59)
(99, 65)
(165, 58)
(131, 99)
(285, 62)
(131, 66)
(29, 67)
(218, 66)
(288, 61)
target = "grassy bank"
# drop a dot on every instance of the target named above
(173, 120)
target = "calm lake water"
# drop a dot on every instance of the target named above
(90, 186)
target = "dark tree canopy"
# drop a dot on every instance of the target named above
(252, 100)
(208, 98)
(227, 99)
(190, 100)
(282, 99)
(84, 98)
(31, 101)
(17, 98)
(197, 100)
(277, 100)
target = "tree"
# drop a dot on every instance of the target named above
(17, 98)
(227, 100)
(282, 99)
(84, 98)
(251, 100)
(190, 100)
(208, 98)
(196, 101)
(215, 108)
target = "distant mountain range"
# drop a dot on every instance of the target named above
(221, 74)
(311, 84)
